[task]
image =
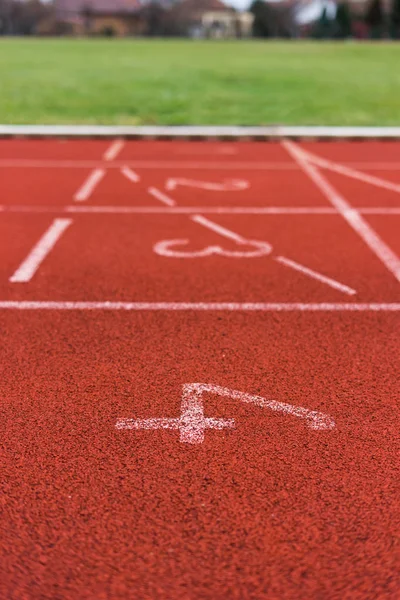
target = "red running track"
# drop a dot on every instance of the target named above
(278, 477)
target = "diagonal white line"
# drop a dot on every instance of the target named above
(39, 252)
(112, 152)
(231, 235)
(315, 275)
(353, 218)
(352, 173)
(161, 196)
(89, 185)
(94, 178)
(130, 174)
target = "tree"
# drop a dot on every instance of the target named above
(273, 20)
(375, 19)
(324, 27)
(262, 19)
(155, 15)
(22, 18)
(395, 19)
(343, 21)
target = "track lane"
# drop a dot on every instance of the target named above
(268, 509)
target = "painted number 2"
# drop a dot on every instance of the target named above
(192, 423)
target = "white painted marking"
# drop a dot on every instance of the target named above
(231, 185)
(392, 210)
(352, 173)
(213, 165)
(148, 164)
(130, 174)
(353, 218)
(204, 132)
(40, 251)
(94, 178)
(200, 306)
(112, 152)
(190, 210)
(315, 420)
(88, 187)
(315, 275)
(206, 149)
(192, 423)
(161, 196)
(166, 248)
(223, 231)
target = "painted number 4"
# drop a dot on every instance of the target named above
(192, 423)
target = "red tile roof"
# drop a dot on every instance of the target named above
(206, 5)
(71, 8)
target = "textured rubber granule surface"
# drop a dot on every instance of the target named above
(269, 509)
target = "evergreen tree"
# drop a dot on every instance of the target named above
(324, 27)
(343, 21)
(262, 24)
(395, 19)
(375, 19)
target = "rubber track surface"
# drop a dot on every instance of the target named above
(268, 509)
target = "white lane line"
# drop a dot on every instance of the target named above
(39, 252)
(205, 149)
(390, 210)
(231, 235)
(146, 164)
(353, 218)
(130, 174)
(112, 152)
(88, 187)
(200, 306)
(352, 173)
(138, 164)
(161, 196)
(190, 210)
(315, 275)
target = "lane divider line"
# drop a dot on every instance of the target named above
(315, 275)
(26, 163)
(189, 210)
(200, 306)
(351, 216)
(40, 251)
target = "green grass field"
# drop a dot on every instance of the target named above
(136, 82)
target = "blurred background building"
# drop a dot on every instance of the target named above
(203, 19)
